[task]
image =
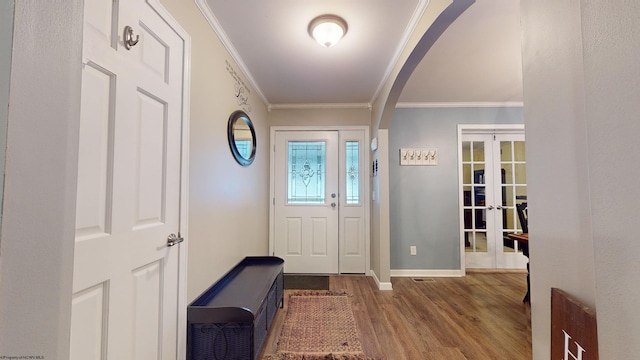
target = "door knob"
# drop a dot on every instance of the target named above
(174, 239)
(333, 205)
(490, 207)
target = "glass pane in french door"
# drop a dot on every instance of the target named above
(514, 189)
(474, 202)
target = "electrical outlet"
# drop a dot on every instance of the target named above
(414, 250)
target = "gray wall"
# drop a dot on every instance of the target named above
(424, 199)
(40, 180)
(581, 86)
(6, 38)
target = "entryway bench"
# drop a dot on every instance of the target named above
(231, 319)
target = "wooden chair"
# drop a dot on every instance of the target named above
(523, 216)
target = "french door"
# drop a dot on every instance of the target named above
(319, 209)
(493, 182)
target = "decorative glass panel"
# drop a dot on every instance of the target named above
(353, 172)
(306, 167)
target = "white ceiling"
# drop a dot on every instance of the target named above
(476, 60)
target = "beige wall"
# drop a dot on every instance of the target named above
(228, 203)
(320, 117)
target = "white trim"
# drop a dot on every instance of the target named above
(480, 104)
(463, 259)
(409, 30)
(217, 28)
(466, 129)
(427, 273)
(366, 182)
(319, 106)
(181, 345)
(384, 286)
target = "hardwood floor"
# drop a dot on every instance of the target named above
(476, 317)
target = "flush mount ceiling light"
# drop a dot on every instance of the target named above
(327, 29)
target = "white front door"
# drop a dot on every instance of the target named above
(125, 286)
(320, 208)
(493, 182)
(306, 201)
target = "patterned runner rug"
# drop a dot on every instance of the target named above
(319, 325)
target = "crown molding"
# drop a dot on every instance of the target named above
(411, 26)
(319, 106)
(478, 104)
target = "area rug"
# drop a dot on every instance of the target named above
(319, 325)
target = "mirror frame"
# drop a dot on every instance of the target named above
(236, 116)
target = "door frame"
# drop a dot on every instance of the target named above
(366, 192)
(483, 129)
(181, 345)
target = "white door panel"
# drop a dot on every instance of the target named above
(125, 302)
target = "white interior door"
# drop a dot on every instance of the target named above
(306, 201)
(125, 286)
(493, 181)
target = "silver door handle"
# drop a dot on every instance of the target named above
(499, 207)
(490, 207)
(333, 205)
(174, 239)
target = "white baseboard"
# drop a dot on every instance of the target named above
(381, 285)
(427, 273)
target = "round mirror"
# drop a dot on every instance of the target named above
(242, 137)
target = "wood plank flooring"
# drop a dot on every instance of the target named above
(476, 317)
